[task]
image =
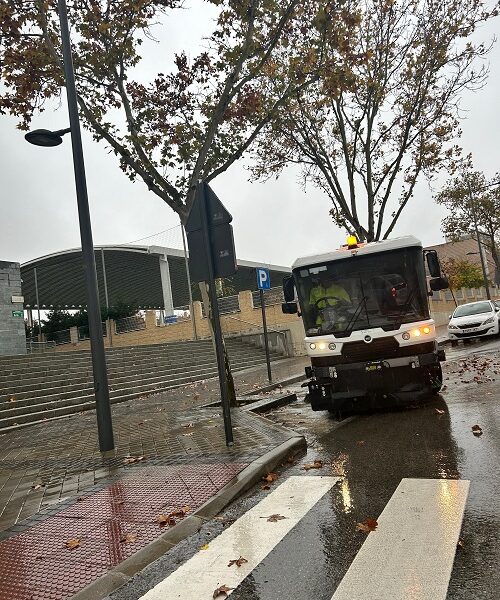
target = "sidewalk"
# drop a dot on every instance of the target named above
(170, 470)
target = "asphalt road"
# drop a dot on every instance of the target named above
(370, 455)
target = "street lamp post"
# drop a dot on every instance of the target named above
(43, 137)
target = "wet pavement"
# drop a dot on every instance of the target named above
(371, 454)
(70, 514)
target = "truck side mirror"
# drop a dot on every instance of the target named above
(289, 289)
(439, 283)
(433, 263)
(289, 308)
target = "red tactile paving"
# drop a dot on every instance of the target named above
(36, 565)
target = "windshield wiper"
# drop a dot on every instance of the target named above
(404, 309)
(350, 326)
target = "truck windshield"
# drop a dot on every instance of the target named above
(359, 292)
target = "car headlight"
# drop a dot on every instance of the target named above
(489, 320)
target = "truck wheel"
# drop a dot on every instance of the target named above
(436, 378)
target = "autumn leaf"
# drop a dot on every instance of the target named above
(317, 464)
(477, 430)
(72, 544)
(128, 538)
(221, 591)
(274, 518)
(270, 477)
(132, 459)
(439, 411)
(205, 547)
(367, 525)
(237, 561)
(165, 520)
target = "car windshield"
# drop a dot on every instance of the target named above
(472, 309)
(358, 292)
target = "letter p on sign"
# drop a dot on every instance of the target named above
(263, 278)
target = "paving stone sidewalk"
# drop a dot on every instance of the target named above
(55, 485)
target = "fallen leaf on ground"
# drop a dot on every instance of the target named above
(317, 464)
(221, 591)
(439, 411)
(12, 399)
(274, 518)
(205, 547)
(270, 477)
(477, 430)
(165, 520)
(37, 486)
(132, 459)
(266, 486)
(237, 561)
(72, 544)
(128, 538)
(360, 442)
(367, 525)
(461, 543)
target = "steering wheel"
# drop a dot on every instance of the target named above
(316, 304)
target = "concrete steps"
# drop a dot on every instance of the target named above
(36, 388)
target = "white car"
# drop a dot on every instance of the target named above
(475, 319)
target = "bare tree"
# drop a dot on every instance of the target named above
(385, 112)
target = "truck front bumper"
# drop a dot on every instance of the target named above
(359, 386)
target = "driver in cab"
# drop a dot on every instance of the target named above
(326, 293)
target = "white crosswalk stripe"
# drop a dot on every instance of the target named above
(410, 555)
(252, 536)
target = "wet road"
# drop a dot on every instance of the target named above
(371, 455)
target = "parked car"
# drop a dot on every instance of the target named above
(475, 319)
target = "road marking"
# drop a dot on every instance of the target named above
(411, 553)
(251, 537)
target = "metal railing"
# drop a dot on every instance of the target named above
(227, 305)
(33, 346)
(272, 297)
(282, 334)
(60, 337)
(135, 323)
(84, 332)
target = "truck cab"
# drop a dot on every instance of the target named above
(369, 333)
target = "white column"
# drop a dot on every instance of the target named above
(166, 285)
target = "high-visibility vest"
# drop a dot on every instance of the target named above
(319, 292)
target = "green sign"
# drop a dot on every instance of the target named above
(18, 313)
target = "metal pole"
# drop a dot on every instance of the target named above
(103, 409)
(191, 308)
(105, 279)
(266, 337)
(219, 342)
(481, 256)
(38, 306)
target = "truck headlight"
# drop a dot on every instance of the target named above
(488, 320)
(312, 346)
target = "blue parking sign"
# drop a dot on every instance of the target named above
(263, 278)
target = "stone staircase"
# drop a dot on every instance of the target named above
(43, 386)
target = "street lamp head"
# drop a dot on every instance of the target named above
(44, 137)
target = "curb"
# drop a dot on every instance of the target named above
(273, 386)
(123, 572)
(266, 404)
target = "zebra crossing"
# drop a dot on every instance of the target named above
(409, 556)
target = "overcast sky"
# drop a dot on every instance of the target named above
(274, 222)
